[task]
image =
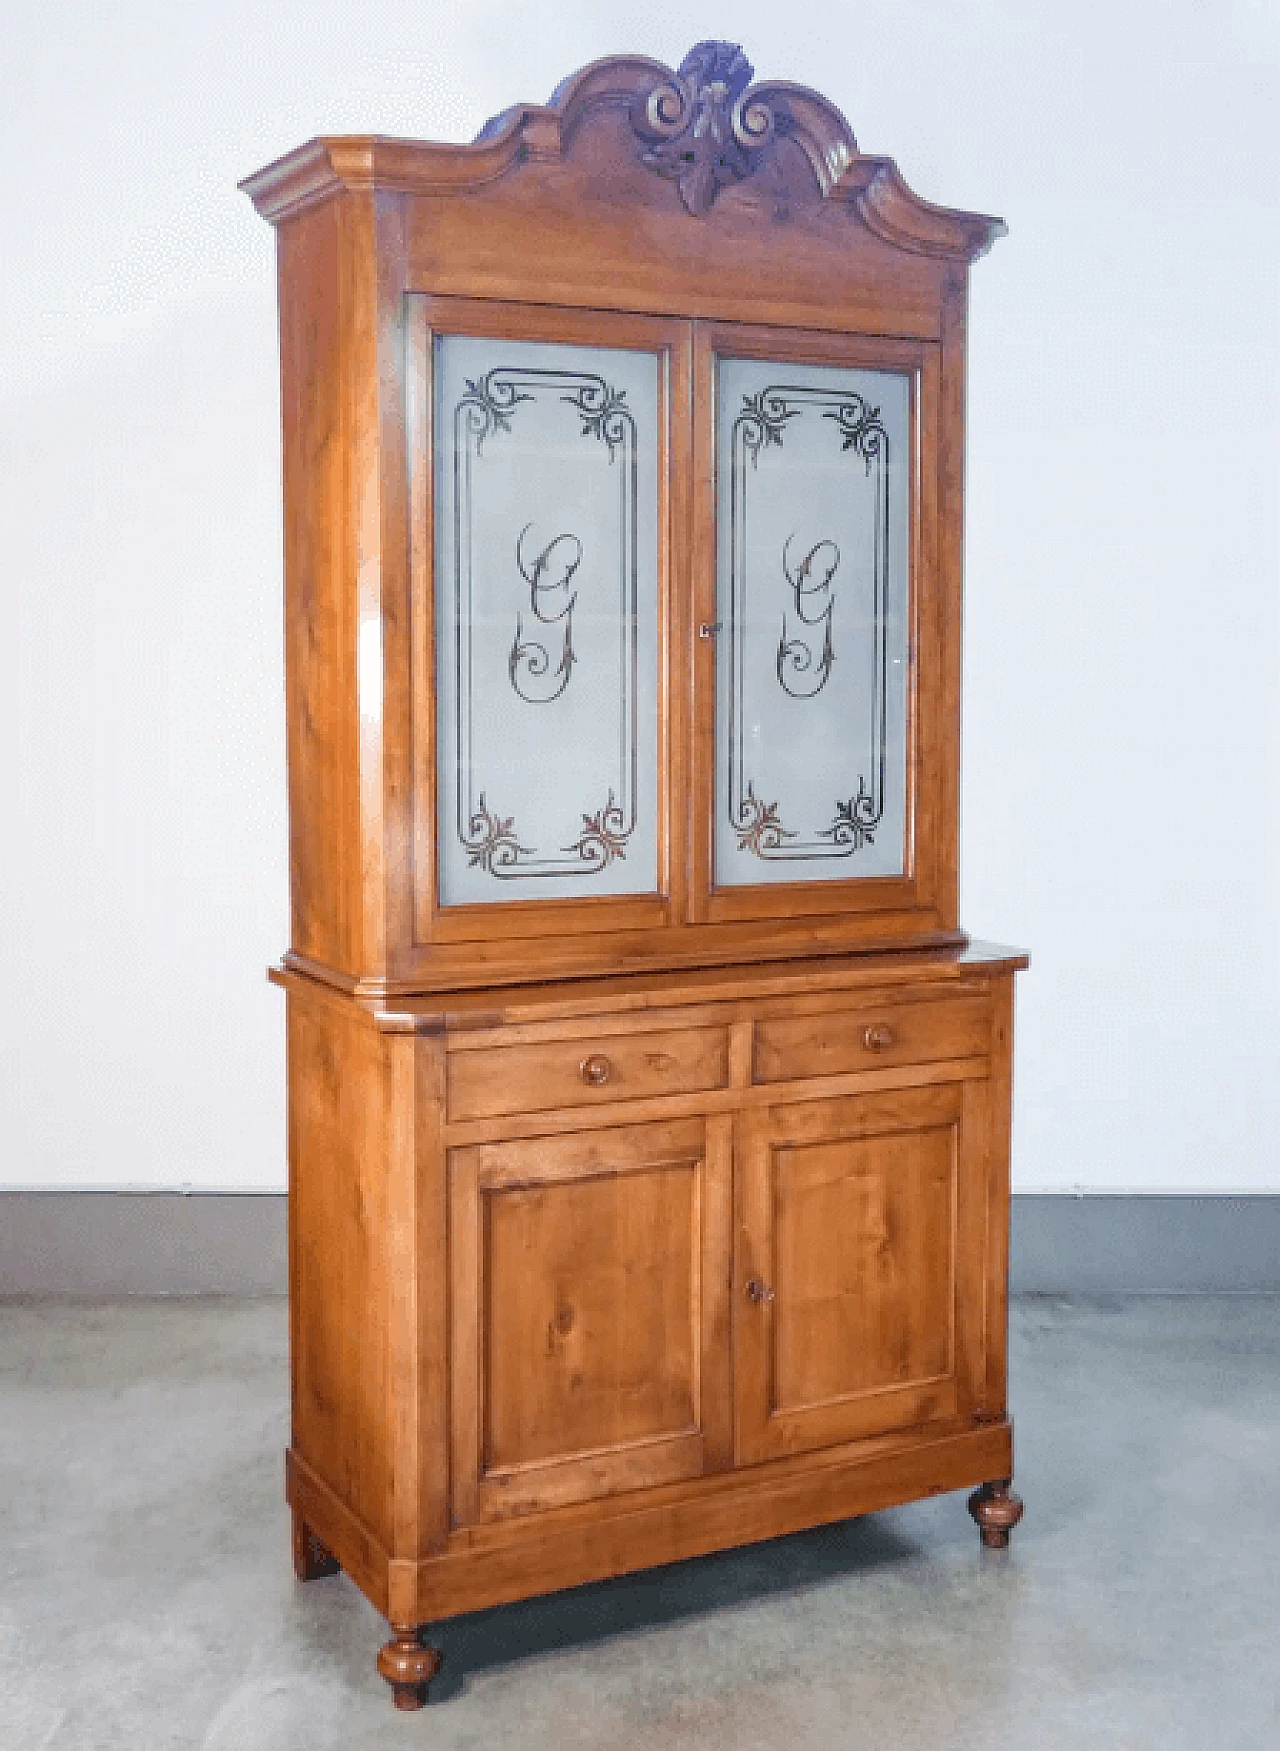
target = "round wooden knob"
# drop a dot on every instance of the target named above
(878, 1037)
(595, 1069)
(758, 1291)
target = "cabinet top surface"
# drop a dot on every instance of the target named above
(703, 136)
(516, 1004)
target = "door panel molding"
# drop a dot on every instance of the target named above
(601, 842)
(925, 727)
(590, 1284)
(854, 1304)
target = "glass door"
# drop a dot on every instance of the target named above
(550, 492)
(810, 564)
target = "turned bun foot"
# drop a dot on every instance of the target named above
(311, 1559)
(997, 1511)
(407, 1666)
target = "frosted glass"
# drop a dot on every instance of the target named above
(812, 579)
(546, 619)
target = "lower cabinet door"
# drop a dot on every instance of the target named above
(589, 1293)
(858, 1279)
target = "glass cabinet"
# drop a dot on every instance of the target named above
(671, 574)
(649, 1112)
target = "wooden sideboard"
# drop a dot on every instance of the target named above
(648, 1108)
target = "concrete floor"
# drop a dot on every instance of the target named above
(147, 1601)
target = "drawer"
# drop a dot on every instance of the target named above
(490, 1081)
(788, 1048)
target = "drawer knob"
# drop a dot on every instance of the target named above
(595, 1070)
(878, 1037)
(758, 1292)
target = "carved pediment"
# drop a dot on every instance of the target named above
(704, 128)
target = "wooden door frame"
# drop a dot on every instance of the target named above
(427, 316)
(761, 1433)
(927, 727)
(480, 1494)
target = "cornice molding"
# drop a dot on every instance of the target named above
(703, 126)
(891, 209)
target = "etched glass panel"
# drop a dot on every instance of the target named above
(546, 619)
(812, 580)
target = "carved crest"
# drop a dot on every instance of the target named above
(704, 127)
(707, 125)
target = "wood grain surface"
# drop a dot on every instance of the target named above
(621, 1229)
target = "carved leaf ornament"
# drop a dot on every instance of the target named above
(706, 124)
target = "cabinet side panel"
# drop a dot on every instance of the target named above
(339, 1103)
(324, 815)
(998, 1186)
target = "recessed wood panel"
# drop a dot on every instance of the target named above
(863, 1253)
(590, 1310)
(850, 1316)
(590, 1291)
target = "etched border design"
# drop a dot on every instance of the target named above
(762, 424)
(491, 840)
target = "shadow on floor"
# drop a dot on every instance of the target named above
(653, 1597)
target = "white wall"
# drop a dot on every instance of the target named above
(1122, 756)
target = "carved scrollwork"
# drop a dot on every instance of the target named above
(706, 126)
